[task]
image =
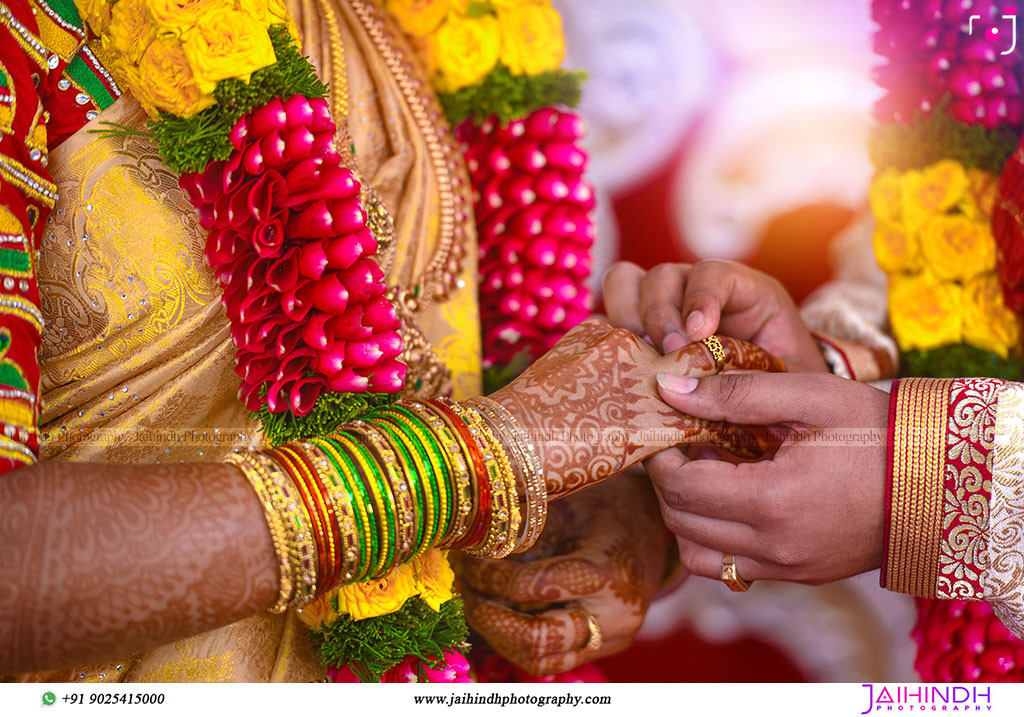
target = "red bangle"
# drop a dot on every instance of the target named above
(478, 530)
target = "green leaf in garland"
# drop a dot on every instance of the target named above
(373, 646)
(939, 136)
(188, 145)
(512, 96)
(330, 411)
(961, 361)
(500, 376)
(477, 9)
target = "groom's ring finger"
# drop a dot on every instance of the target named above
(707, 563)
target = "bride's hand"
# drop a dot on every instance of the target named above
(591, 405)
(602, 557)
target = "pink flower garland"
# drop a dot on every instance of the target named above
(290, 246)
(929, 53)
(965, 642)
(532, 209)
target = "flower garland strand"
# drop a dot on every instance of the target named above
(496, 66)
(951, 117)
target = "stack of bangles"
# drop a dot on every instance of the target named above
(352, 505)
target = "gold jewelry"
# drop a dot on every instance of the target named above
(527, 462)
(731, 576)
(595, 639)
(265, 490)
(714, 345)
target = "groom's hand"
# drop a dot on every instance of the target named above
(675, 304)
(814, 512)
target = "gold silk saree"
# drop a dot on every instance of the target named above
(137, 359)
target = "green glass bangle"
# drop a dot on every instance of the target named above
(345, 445)
(432, 517)
(438, 469)
(414, 485)
(358, 506)
(440, 461)
(388, 511)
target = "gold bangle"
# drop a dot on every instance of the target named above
(526, 459)
(361, 511)
(505, 520)
(262, 486)
(381, 501)
(302, 546)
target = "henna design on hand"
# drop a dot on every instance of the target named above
(591, 407)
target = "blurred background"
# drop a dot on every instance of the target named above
(738, 130)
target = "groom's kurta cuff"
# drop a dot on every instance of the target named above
(940, 457)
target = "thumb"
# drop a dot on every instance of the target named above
(748, 398)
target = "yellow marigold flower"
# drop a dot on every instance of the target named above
(319, 611)
(988, 323)
(925, 313)
(177, 16)
(896, 249)
(378, 597)
(164, 80)
(434, 577)
(979, 199)
(130, 30)
(933, 190)
(96, 14)
(955, 247)
(465, 50)
(419, 17)
(232, 47)
(531, 39)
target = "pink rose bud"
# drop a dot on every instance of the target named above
(362, 354)
(330, 294)
(380, 314)
(348, 381)
(331, 361)
(349, 324)
(297, 302)
(322, 120)
(252, 160)
(298, 112)
(388, 377)
(298, 144)
(303, 176)
(364, 280)
(315, 332)
(268, 118)
(239, 133)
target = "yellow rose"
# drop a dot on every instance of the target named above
(925, 313)
(933, 190)
(130, 30)
(96, 14)
(465, 50)
(434, 577)
(419, 17)
(896, 249)
(177, 16)
(978, 201)
(272, 12)
(531, 39)
(164, 80)
(955, 247)
(988, 323)
(233, 47)
(319, 611)
(886, 198)
(378, 597)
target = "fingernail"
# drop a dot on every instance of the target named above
(677, 384)
(648, 339)
(674, 341)
(694, 322)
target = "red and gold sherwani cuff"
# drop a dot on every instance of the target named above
(853, 360)
(939, 470)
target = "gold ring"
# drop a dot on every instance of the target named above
(714, 345)
(731, 576)
(595, 640)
